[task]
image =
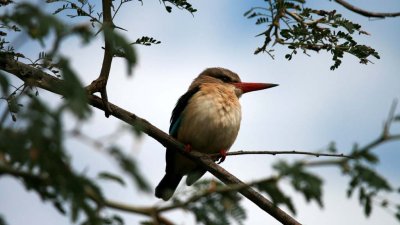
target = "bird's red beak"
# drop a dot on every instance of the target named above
(248, 87)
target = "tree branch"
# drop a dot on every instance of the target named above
(100, 84)
(36, 77)
(210, 191)
(293, 152)
(365, 12)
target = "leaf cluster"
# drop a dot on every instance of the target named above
(145, 40)
(39, 25)
(303, 181)
(80, 8)
(213, 207)
(35, 154)
(364, 179)
(128, 165)
(300, 28)
(180, 4)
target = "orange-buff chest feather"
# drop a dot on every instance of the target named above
(211, 120)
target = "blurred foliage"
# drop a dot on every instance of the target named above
(310, 185)
(364, 178)
(38, 24)
(211, 207)
(120, 47)
(34, 152)
(276, 194)
(78, 9)
(2, 221)
(128, 165)
(371, 185)
(111, 177)
(300, 28)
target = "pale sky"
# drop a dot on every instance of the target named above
(312, 106)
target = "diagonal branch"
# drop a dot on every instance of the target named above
(365, 12)
(36, 77)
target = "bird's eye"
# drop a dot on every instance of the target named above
(225, 79)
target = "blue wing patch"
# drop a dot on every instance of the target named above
(173, 129)
(176, 116)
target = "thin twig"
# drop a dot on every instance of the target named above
(389, 120)
(293, 152)
(365, 12)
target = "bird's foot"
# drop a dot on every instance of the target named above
(222, 156)
(188, 148)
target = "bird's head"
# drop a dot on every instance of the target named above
(230, 79)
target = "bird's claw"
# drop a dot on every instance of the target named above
(222, 156)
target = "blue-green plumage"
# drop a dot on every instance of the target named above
(176, 116)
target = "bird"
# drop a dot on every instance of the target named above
(206, 118)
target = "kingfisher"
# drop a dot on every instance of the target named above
(206, 118)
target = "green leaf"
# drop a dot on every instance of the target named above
(366, 155)
(117, 220)
(148, 222)
(180, 4)
(74, 93)
(291, 24)
(39, 24)
(303, 181)
(371, 178)
(398, 216)
(113, 220)
(4, 85)
(277, 196)
(59, 207)
(111, 177)
(398, 212)
(121, 48)
(145, 40)
(128, 165)
(13, 105)
(215, 207)
(2, 221)
(332, 147)
(367, 207)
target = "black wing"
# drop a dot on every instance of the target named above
(180, 106)
(176, 119)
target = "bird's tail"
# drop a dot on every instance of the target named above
(167, 186)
